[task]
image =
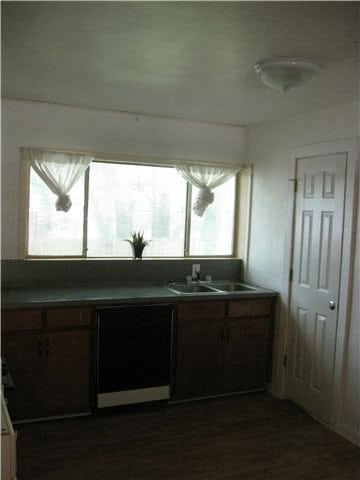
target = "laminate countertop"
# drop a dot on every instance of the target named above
(87, 295)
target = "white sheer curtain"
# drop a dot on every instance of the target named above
(59, 171)
(206, 178)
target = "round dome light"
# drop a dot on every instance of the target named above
(284, 73)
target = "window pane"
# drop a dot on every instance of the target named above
(52, 232)
(213, 233)
(124, 198)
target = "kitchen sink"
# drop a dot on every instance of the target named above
(191, 289)
(233, 287)
(225, 287)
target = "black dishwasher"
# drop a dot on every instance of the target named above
(134, 354)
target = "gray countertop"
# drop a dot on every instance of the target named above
(110, 295)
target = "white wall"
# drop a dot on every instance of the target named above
(31, 124)
(270, 150)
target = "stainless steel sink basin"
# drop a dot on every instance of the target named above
(225, 287)
(233, 287)
(191, 289)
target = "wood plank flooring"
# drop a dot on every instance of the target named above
(250, 437)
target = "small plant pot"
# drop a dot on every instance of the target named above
(137, 251)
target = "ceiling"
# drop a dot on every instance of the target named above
(190, 60)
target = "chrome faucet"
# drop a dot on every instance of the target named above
(195, 272)
(195, 277)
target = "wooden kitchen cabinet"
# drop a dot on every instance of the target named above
(199, 354)
(247, 354)
(66, 376)
(251, 307)
(49, 361)
(13, 321)
(21, 345)
(68, 317)
(228, 352)
(67, 346)
(199, 357)
(23, 354)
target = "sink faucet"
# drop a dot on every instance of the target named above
(195, 272)
(195, 276)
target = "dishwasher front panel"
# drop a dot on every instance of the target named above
(134, 353)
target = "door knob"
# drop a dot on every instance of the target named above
(332, 305)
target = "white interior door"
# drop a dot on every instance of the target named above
(316, 268)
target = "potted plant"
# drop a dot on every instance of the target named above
(137, 243)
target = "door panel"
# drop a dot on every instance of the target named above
(246, 354)
(20, 321)
(25, 358)
(66, 375)
(299, 342)
(326, 230)
(199, 360)
(306, 243)
(68, 317)
(318, 363)
(316, 280)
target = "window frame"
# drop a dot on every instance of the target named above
(24, 217)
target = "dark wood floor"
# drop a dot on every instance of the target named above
(249, 437)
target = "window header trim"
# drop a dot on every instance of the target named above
(141, 159)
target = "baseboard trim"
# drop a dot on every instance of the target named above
(275, 392)
(52, 417)
(351, 434)
(218, 395)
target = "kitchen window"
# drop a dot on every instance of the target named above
(113, 199)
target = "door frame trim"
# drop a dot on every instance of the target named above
(350, 147)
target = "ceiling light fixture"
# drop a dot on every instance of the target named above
(285, 73)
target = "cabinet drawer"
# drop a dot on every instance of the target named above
(19, 320)
(251, 307)
(68, 317)
(208, 310)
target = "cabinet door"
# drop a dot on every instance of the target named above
(66, 376)
(259, 306)
(14, 321)
(68, 317)
(199, 357)
(25, 358)
(247, 354)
